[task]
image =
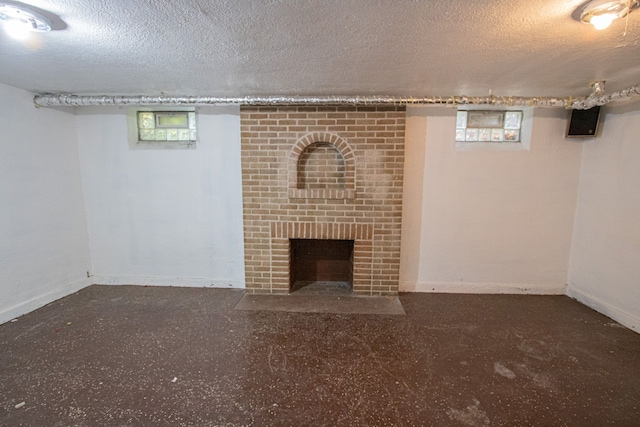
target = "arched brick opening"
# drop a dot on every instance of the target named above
(346, 167)
(321, 166)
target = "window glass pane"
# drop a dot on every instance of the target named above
(172, 134)
(484, 135)
(512, 120)
(147, 135)
(512, 135)
(461, 121)
(192, 120)
(146, 121)
(161, 134)
(490, 119)
(472, 134)
(176, 120)
(192, 135)
(497, 135)
(460, 134)
(183, 134)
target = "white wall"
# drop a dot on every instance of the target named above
(490, 221)
(473, 221)
(412, 195)
(605, 261)
(163, 217)
(44, 253)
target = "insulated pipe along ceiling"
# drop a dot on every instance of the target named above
(581, 103)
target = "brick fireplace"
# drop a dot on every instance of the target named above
(322, 173)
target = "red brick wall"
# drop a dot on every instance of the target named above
(363, 204)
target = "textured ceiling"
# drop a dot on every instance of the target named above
(321, 47)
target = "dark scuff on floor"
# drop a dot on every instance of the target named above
(184, 356)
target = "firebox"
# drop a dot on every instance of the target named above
(321, 265)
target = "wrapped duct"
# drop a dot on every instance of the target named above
(596, 98)
(56, 100)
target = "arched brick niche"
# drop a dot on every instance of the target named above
(321, 166)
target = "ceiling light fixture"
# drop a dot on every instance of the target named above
(19, 20)
(601, 13)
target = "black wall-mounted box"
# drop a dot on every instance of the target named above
(583, 123)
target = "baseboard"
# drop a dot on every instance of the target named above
(42, 300)
(624, 318)
(487, 288)
(187, 282)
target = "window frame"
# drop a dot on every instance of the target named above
(526, 126)
(136, 143)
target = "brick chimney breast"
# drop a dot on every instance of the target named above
(330, 173)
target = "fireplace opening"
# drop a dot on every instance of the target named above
(321, 266)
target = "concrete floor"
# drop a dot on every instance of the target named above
(184, 356)
(322, 303)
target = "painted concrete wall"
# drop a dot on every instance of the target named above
(163, 217)
(44, 251)
(473, 221)
(412, 195)
(605, 261)
(489, 221)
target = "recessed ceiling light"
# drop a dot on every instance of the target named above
(601, 13)
(20, 20)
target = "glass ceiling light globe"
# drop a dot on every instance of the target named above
(601, 13)
(19, 20)
(17, 30)
(600, 22)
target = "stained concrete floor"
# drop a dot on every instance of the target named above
(322, 303)
(183, 356)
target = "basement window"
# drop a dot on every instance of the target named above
(161, 129)
(167, 126)
(488, 126)
(480, 128)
